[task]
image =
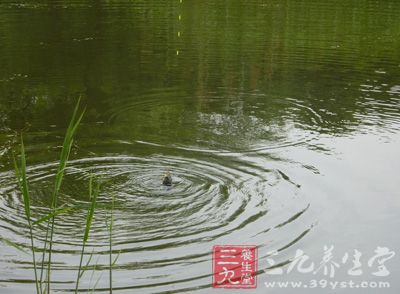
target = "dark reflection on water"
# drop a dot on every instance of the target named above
(278, 119)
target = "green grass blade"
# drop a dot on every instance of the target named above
(93, 193)
(97, 282)
(110, 243)
(23, 182)
(87, 265)
(52, 214)
(23, 185)
(65, 152)
(116, 258)
(89, 218)
(91, 277)
(13, 244)
(43, 258)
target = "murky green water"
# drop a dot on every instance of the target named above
(279, 120)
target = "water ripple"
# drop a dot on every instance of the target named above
(212, 199)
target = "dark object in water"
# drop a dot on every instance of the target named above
(167, 180)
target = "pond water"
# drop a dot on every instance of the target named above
(279, 121)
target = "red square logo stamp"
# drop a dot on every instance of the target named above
(234, 266)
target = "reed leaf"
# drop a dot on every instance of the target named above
(91, 277)
(97, 282)
(87, 265)
(110, 243)
(58, 211)
(22, 182)
(93, 193)
(116, 258)
(93, 197)
(13, 244)
(65, 152)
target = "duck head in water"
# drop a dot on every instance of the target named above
(167, 179)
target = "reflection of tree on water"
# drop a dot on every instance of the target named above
(282, 49)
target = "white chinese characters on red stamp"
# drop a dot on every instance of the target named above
(235, 266)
